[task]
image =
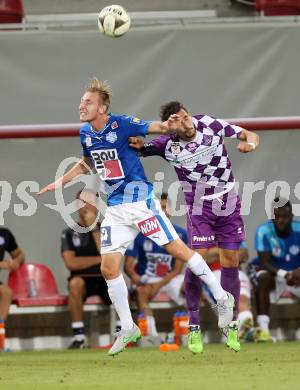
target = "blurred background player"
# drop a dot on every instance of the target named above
(278, 247)
(152, 269)
(132, 206)
(81, 255)
(201, 162)
(8, 244)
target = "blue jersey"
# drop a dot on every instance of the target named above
(153, 260)
(115, 162)
(285, 251)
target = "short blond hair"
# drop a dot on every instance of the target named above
(102, 88)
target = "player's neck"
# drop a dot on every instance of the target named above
(283, 233)
(188, 139)
(99, 123)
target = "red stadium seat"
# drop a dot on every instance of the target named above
(34, 285)
(278, 7)
(11, 11)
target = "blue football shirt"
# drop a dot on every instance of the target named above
(115, 162)
(285, 251)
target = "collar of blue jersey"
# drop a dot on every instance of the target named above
(107, 124)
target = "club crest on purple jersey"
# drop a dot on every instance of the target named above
(175, 148)
(207, 139)
(192, 147)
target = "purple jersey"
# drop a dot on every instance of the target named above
(203, 160)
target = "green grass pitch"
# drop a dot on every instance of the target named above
(257, 366)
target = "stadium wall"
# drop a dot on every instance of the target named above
(227, 70)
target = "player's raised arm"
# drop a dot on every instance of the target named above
(156, 147)
(80, 168)
(249, 141)
(172, 124)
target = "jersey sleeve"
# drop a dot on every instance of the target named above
(156, 147)
(84, 139)
(262, 243)
(220, 127)
(182, 233)
(11, 242)
(136, 127)
(185, 237)
(66, 242)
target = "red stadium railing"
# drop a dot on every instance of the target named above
(72, 129)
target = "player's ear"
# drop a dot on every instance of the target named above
(102, 109)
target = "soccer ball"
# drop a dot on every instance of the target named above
(113, 21)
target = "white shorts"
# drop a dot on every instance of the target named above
(244, 281)
(281, 286)
(123, 222)
(172, 289)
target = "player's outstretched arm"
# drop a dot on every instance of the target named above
(80, 168)
(156, 147)
(169, 126)
(249, 141)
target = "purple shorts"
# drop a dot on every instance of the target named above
(216, 222)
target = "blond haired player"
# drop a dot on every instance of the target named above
(132, 206)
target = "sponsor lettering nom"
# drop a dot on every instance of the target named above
(149, 226)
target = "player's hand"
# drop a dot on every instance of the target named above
(136, 143)
(245, 147)
(174, 122)
(293, 278)
(49, 187)
(10, 265)
(13, 265)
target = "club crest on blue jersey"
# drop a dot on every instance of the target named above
(111, 137)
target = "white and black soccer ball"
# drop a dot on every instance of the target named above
(113, 21)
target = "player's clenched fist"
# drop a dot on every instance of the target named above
(174, 122)
(135, 142)
(246, 147)
(293, 278)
